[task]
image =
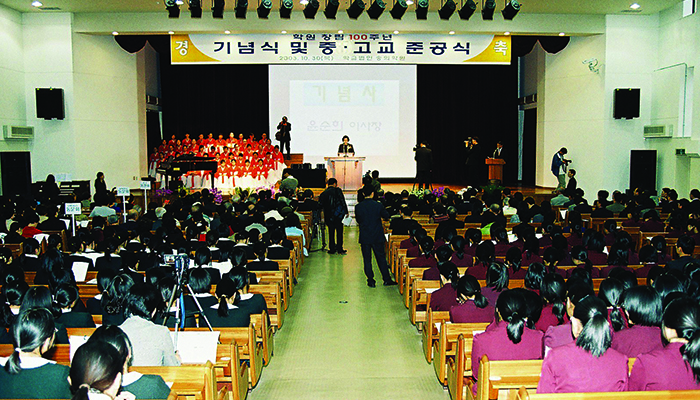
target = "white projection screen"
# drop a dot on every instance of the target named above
(374, 105)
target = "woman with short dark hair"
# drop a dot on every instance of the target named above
(643, 308)
(474, 306)
(568, 368)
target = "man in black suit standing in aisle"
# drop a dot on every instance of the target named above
(369, 214)
(334, 210)
(424, 164)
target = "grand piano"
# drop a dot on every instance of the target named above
(177, 167)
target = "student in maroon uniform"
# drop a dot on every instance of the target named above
(514, 262)
(531, 252)
(508, 338)
(474, 306)
(677, 366)
(579, 256)
(642, 305)
(444, 298)
(533, 277)
(485, 255)
(610, 291)
(427, 259)
(496, 281)
(568, 368)
(561, 334)
(553, 291)
(473, 237)
(459, 257)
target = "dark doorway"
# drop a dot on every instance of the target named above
(529, 146)
(16, 173)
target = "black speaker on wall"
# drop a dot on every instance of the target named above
(49, 103)
(16, 172)
(626, 103)
(643, 169)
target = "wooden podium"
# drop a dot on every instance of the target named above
(347, 170)
(495, 168)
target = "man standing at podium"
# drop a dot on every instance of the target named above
(498, 153)
(424, 164)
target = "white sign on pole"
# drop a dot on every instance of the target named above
(73, 209)
(145, 185)
(123, 191)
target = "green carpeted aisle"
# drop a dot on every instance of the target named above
(344, 340)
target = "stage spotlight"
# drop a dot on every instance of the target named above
(195, 8)
(173, 8)
(467, 10)
(217, 11)
(241, 8)
(331, 9)
(488, 9)
(356, 8)
(286, 8)
(264, 8)
(447, 9)
(376, 9)
(422, 9)
(399, 9)
(311, 9)
(511, 9)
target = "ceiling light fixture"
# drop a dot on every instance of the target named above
(448, 8)
(511, 9)
(37, 4)
(331, 9)
(376, 9)
(635, 6)
(562, 34)
(217, 11)
(311, 9)
(467, 10)
(264, 7)
(396, 32)
(399, 9)
(227, 32)
(451, 32)
(173, 9)
(487, 9)
(171, 33)
(286, 8)
(115, 33)
(422, 9)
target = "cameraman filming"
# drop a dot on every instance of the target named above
(559, 166)
(475, 162)
(424, 164)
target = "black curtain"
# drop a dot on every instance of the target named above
(218, 99)
(460, 101)
(153, 133)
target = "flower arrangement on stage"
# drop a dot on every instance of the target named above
(218, 196)
(164, 192)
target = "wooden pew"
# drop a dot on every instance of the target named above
(276, 277)
(264, 334)
(189, 381)
(431, 332)
(446, 345)
(419, 301)
(524, 394)
(16, 249)
(273, 299)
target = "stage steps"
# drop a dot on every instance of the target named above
(351, 200)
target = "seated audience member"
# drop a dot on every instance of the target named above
(595, 247)
(610, 292)
(40, 297)
(499, 234)
(29, 259)
(104, 278)
(617, 259)
(113, 301)
(459, 257)
(514, 264)
(14, 235)
(496, 281)
(96, 372)
(203, 259)
(110, 259)
(26, 374)
(484, 257)
(651, 222)
(553, 292)
(530, 252)
(428, 260)
(676, 366)
(588, 364)
(251, 303)
(51, 223)
(152, 343)
(508, 338)
(444, 298)
(560, 335)
(141, 386)
(226, 312)
(579, 257)
(473, 238)
(534, 276)
(643, 308)
(474, 306)
(276, 251)
(30, 229)
(684, 246)
(66, 297)
(402, 225)
(262, 263)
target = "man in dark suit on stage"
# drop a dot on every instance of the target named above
(424, 164)
(498, 153)
(369, 214)
(475, 162)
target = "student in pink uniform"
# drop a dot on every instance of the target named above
(560, 335)
(553, 292)
(474, 306)
(642, 305)
(676, 366)
(588, 364)
(508, 338)
(444, 298)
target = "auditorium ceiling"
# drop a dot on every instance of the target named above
(589, 7)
